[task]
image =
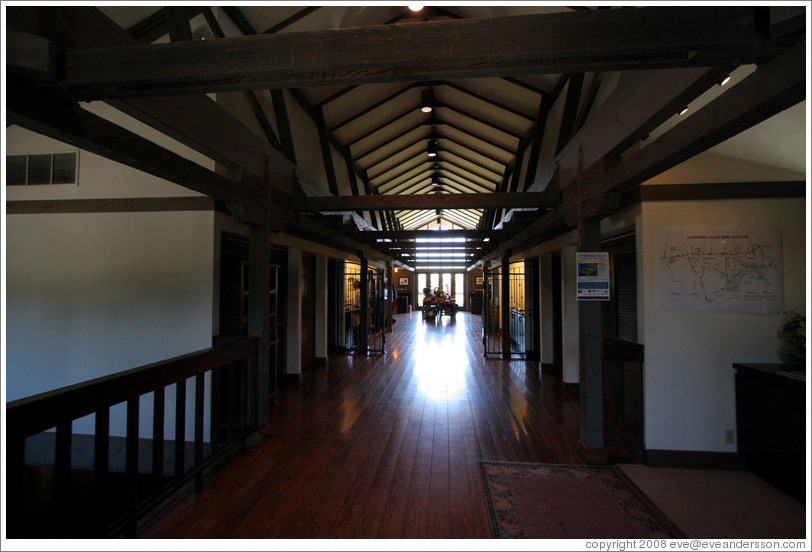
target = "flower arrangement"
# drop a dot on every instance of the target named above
(793, 338)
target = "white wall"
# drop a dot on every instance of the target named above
(93, 294)
(689, 379)
(97, 177)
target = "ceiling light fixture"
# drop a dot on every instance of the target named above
(725, 80)
(427, 101)
(415, 8)
(684, 110)
(433, 148)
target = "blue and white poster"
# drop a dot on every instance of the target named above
(593, 276)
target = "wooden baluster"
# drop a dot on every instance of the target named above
(101, 471)
(241, 368)
(216, 382)
(131, 468)
(15, 477)
(230, 402)
(62, 469)
(180, 428)
(200, 389)
(158, 417)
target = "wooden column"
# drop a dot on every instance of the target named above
(388, 304)
(261, 385)
(293, 365)
(322, 309)
(591, 364)
(504, 304)
(364, 331)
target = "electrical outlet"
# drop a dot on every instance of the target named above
(729, 436)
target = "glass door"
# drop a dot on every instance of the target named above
(452, 284)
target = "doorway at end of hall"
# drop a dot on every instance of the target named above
(451, 283)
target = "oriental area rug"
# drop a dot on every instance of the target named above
(550, 501)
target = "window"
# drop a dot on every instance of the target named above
(41, 169)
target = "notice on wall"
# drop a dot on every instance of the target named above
(719, 269)
(592, 276)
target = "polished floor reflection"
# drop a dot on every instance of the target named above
(386, 446)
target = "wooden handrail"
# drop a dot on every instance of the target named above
(58, 409)
(37, 413)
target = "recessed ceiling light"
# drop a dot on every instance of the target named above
(415, 8)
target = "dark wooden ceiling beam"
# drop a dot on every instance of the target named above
(238, 18)
(461, 217)
(196, 121)
(772, 88)
(444, 158)
(647, 99)
(389, 141)
(394, 160)
(390, 186)
(380, 127)
(414, 188)
(482, 121)
(413, 164)
(447, 183)
(291, 20)
(156, 25)
(177, 21)
(486, 100)
(447, 174)
(572, 100)
(636, 38)
(426, 201)
(374, 106)
(337, 95)
(477, 136)
(412, 218)
(42, 112)
(442, 138)
(521, 84)
(431, 235)
(250, 95)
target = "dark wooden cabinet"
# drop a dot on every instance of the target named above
(475, 303)
(771, 423)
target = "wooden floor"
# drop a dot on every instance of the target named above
(386, 446)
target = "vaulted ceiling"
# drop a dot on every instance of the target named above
(479, 126)
(363, 73)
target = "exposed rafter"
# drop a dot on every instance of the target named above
(598, 40)
(427, 201)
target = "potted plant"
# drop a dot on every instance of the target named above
(792, 337)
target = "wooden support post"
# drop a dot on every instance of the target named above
(591, 365)
(504, 304)
(259, 261)
(283, 124)
(388, 303)
(363, 340)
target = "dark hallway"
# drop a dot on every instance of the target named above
(386, 446)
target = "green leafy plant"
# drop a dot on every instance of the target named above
(793, 338)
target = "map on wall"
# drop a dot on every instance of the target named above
(719, 269)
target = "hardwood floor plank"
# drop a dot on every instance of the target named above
(386, 446)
